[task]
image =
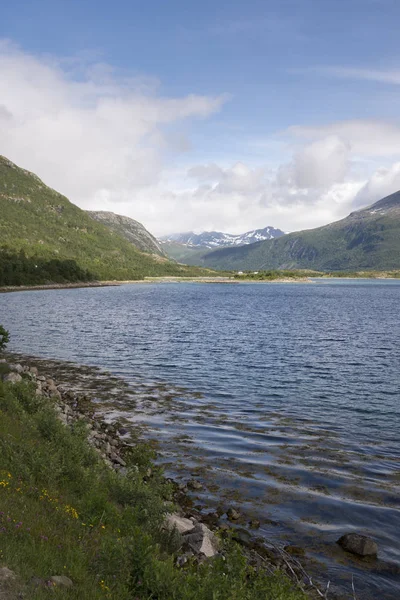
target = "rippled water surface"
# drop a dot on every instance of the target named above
(283, 398)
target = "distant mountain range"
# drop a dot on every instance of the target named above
(131, 230)
(217, 239)
(368, 239)
(188, 246)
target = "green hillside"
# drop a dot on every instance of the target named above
(44, 224)
(368, 239)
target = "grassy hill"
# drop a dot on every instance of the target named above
(368, 239)
(44, 224)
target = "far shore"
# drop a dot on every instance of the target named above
(174, 279)
(95, 284)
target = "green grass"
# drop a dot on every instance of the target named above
(63, 512)
(43, 223)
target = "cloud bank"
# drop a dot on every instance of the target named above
(110, 141)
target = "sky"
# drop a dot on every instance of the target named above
(211, 115)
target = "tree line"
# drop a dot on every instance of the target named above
(18, 269)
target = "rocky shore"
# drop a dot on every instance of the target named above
(197, 536)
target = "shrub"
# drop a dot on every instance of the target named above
(4, 338)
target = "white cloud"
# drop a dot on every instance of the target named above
(99, 139)
(110, 141)
(319, 164)
(391, 76)
(366, 137)
(383, 182)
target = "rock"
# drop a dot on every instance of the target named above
(254, 524)
(61, 581)
(183, 559)
(182, 525)
(41, 378)
(117, 459)
(6, 575)
(194, 485)
(17, 368)
(12, 378)
(233, 514)
(201, 540)
(34, 371)
(295, 550)
(359, 544)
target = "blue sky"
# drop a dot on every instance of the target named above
(271, 95)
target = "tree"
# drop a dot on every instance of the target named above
(4, 338)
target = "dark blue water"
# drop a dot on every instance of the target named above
(283, 398)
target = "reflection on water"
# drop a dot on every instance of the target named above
(283, 399)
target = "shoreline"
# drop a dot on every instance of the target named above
(173, 279)
(148, 280)
(242, 529)
(109, 439)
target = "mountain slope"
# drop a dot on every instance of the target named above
(217, 239)
(128, 228)
(43, 223)
(190, 247)
(366, 239)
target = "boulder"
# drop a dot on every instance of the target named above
(61, 581)
(359, 544)
(17, 368)
(201, 540)
(233, 514)
(12, 378)
(195, 485)
(182, 525)
(6, 575)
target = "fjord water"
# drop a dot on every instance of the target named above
(283, 398)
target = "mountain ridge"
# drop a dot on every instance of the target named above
(39, 221)
(367, 239)
(130, 229)
(212, 239)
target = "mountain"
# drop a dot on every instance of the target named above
(217, 239)
(128, 228)
(368, 239)
(190, 247)
(41, 222)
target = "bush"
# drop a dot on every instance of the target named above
(4, 338)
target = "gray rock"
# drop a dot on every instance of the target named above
(194, 485)
(201, 540)
(359, 544)
(6, 575)
(181, 524)
(61, 581)
(233, 514)
(12, 378)
(117, 459)
(17, 368)
(34, 371)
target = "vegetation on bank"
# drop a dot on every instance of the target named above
(277, 274)
(18, 269)
(47, 226)
(64, 512)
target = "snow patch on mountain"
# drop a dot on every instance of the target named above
(218, 239)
